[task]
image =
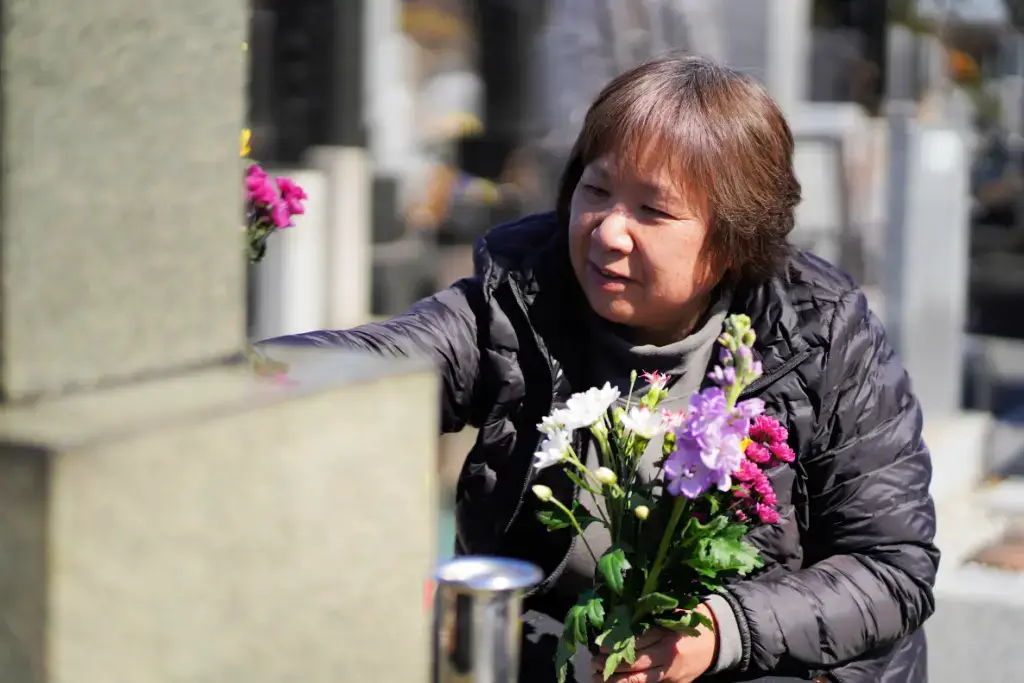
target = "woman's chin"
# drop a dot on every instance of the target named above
(613, 309)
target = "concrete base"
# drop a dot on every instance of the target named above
(975, 632)
(958, 445)
(222, 527)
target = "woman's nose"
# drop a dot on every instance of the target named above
(612, 232)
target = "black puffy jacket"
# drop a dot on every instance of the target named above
(850, 569)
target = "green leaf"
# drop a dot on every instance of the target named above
(653, 603)
(579, 481)
(554, 519)
(685, 623)
(618, 637)
(731, 554)
(612, 566)
(617, 628)
(594, 610)
(563, 655)
(583, 518)
(624, 651)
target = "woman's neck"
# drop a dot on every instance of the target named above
(680, 328)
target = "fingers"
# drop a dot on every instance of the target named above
(643, 661)
(657, 675)
(652, 637)
(648, 639)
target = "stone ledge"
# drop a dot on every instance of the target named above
(219, 527)
(75, 420)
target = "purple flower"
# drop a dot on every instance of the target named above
(723, 377)
(750, 408)
(707, 408)
(685, 473)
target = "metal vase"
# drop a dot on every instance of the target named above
(477, 625)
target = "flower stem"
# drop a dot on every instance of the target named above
(666, 540)
(579, 530)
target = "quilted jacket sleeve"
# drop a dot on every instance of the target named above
(871, 561)
(443, 327)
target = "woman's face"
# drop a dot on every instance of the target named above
(637, 244)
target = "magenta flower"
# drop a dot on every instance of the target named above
(766, 513)
(759, 453)
(280, 215)
(768, 430)
(293, 195)
(783, 452)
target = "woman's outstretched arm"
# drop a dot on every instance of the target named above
(444, 327)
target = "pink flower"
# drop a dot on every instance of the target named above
(762, 486)
(783, 452)
(766, 513)
(741, 516)
(758, 453)
(768, 430)
(261, 188)
(293, 195)
(674, 420)
(655, 380)
(741, 492)
(747, 471)
(280, 215)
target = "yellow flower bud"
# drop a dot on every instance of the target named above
(542, 492)
(244, 143)
(641, 512)
(605, 476)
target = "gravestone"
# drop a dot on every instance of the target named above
(166, 513)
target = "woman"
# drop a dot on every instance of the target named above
(673, 211)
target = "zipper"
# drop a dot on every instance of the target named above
(549, 580)
(769, 378)
(542, 347)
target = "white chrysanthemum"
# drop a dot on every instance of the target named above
(553, 450)
(584, 409)
(643, 422)
(549, 425)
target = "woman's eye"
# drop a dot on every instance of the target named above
(595, 190)
(655, 212)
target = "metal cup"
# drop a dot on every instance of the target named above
(477, 625)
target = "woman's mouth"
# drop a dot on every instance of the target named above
(605, 279)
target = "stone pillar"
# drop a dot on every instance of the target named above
(166, 513)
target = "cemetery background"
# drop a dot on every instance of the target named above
(146, 477)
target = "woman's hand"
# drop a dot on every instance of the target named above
(663, 656)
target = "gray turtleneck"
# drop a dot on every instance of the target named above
(613, 359)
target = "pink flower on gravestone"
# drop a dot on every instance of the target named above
(293, 195)
(261, 189)
(280, 214)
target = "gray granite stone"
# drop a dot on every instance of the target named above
(122, 252)
(218, 526)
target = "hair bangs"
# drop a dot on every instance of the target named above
(645, 130)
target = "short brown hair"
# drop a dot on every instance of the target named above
(721, 132)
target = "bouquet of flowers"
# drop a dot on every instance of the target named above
(678, 535)
(271, 204)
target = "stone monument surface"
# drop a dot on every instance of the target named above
(167, 514)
